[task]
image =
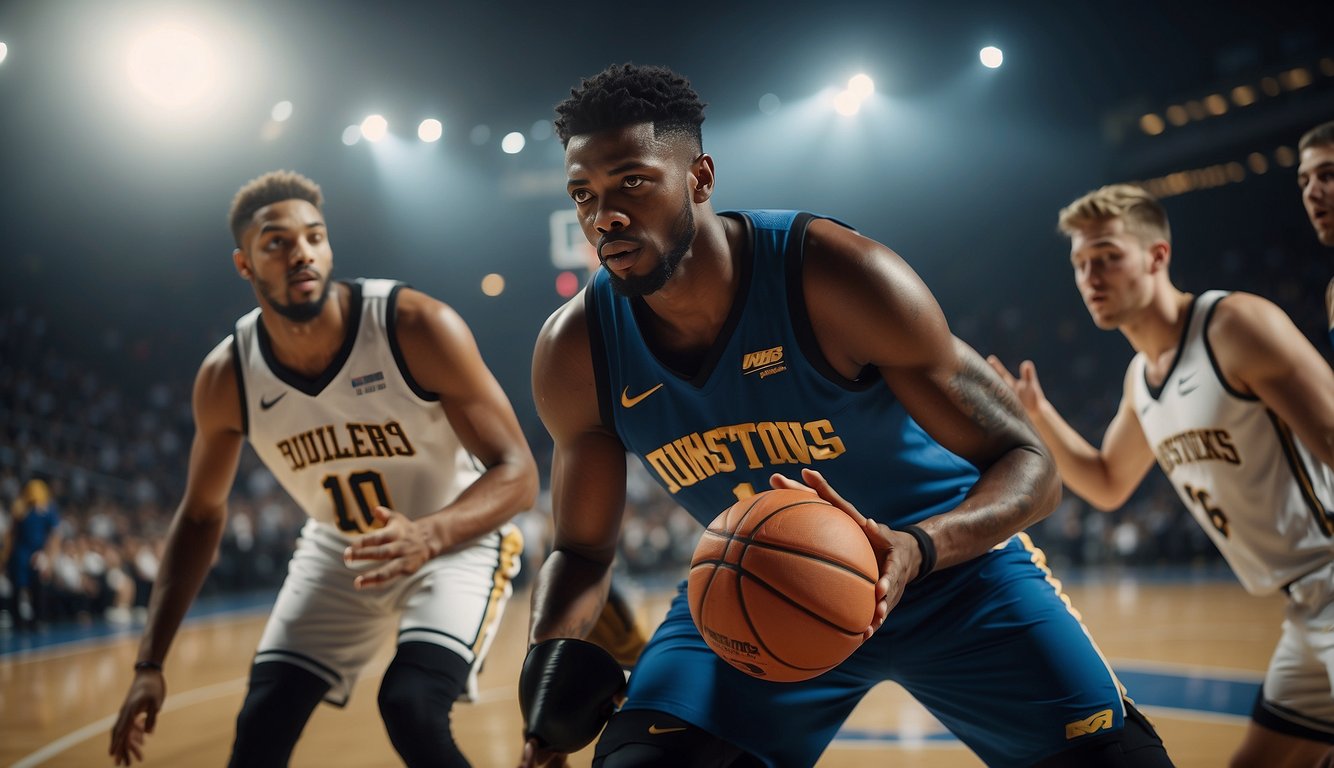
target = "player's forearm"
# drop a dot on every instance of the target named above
(1019, 489)
(503, 491)
(567, 596)
(1081, 465)
(192, 542)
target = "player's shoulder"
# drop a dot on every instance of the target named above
(563, 345)
(1244, 317)
(568, 322)
(220, 362)
(419, 314)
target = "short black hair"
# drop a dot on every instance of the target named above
(1320, 136)
(272, 187)
(626, 94)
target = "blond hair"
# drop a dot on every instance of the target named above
(1143, 215)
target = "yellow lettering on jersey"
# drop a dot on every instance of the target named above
(700, 455)
(1196, 445)
(716, 440)
(379, 443)
(322, 444)
(752, 361)
(404, 448)
(1099, 721)
(339, 451)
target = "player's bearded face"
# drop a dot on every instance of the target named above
(683, 234)
(296, 311)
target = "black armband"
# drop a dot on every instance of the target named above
(139, 666)
(568, 690)
(928, 548)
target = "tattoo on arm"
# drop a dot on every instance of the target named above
(986, 400)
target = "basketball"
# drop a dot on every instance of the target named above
(782, 585)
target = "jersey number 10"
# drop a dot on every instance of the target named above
(358, 483)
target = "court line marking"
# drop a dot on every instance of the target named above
(103, 726)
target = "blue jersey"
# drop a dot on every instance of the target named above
(765, 400)
(989, 646)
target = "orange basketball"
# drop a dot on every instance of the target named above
(782, 585)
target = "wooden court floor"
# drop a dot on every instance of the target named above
(1196, 644)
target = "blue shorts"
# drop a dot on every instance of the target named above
(991, 647)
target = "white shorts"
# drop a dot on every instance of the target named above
(1299, 686)
(322, 624)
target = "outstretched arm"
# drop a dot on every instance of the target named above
(443, 358)
(192, 542)
(1104, 477)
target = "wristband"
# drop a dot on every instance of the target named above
(928, 548)
(139, 666)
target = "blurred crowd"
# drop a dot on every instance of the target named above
(91, 467)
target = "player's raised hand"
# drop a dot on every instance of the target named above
(138, 716)
(404, 545)
(895, 571)
(1026, 386)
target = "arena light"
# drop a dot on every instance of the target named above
(374, 128)
(861, 86)
(430, 130)
(4, 52)
(513, 143)
(991, 57)
(281, 112)
(846, 103)
(493, 284)
(171, 66)
(351, 135)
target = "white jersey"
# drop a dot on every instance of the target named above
(362, 434)
(1265, 500)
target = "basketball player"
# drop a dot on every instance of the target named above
(365, 399)
(731, 351)
(1315, 177)
(1237, 407)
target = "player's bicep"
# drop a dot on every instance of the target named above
(1258, 344)
(216, 447)
(588, 459)
(443, 358)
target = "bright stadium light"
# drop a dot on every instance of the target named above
(512, 143)
(861, 86)
(991, 57)
(4, 51)
(374, 128)
(171, 66)
(847, 103)
(281, 111)
(351, 135)
(430, 130)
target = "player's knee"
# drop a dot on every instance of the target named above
(416, 696)
(1136, 745)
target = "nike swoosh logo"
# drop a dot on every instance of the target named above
(655, 730)
(631, 402)
(1184, 390)
(264, 405)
